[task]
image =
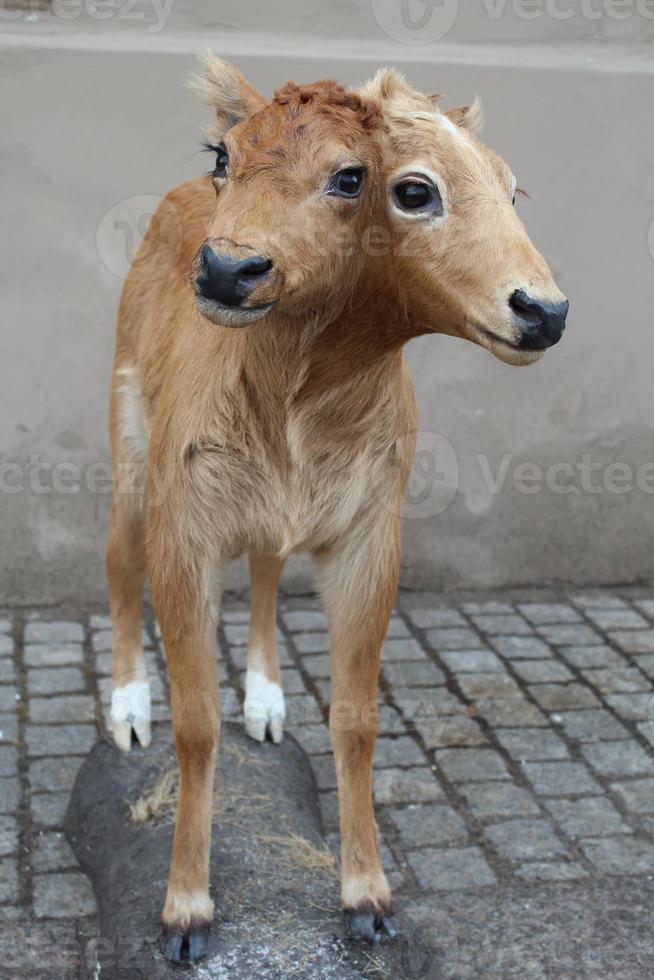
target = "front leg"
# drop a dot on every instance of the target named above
(187, 614)
(359, 582)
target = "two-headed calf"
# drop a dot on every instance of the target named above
(295, 432)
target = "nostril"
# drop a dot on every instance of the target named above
(526, 308)
(255, 267)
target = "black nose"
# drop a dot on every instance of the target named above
(541, 323)
(226, 280)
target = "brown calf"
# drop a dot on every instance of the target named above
(295, 433)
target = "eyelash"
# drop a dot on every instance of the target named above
(211, 148)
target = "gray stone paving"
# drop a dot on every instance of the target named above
(516, 742)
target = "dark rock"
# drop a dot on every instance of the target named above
(276, 917)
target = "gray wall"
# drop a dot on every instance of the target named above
(96, 123)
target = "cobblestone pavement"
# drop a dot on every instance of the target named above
(516, 741)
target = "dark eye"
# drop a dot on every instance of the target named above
(417, 196)
(222, 160)
(347, 183)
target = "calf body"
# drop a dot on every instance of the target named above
(292, 433)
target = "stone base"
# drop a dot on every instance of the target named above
(276, 915)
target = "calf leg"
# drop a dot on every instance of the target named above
(130, 698)
(188, 619)
(264, 699)
(359, 583)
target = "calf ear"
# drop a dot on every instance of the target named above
(386, 84)
(467, 116)
(220, 85)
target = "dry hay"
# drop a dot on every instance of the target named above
(298, 852)
(158, 803)
(290, 851)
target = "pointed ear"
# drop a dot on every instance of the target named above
(389, 86)
(467, 116)
(220, 85)
(387, 83)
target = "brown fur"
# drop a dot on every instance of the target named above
(296, 432)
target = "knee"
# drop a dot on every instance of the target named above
(353, 721)
(353, 733)
(197, 735)
(196, 754)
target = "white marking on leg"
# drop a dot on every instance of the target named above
(130, 709)
(133, 427)
(264, 707)
(133, 424)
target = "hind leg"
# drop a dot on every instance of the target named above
(130, 700)
(264, 699)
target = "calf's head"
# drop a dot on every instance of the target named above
(295, 181)
(461, 261)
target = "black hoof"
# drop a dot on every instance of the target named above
(369, 925)
(185, 945)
